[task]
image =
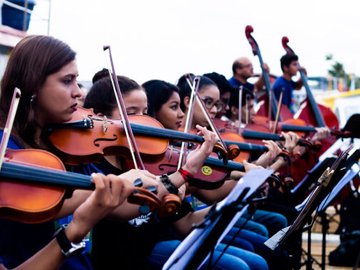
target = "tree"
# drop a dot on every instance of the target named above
(337, 70)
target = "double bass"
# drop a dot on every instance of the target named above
(270, 102)
(310, 111)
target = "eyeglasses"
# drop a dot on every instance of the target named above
(246, 66)
(209, 104)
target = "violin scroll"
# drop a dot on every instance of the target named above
(316, 146)
(171, 203)
(144, 197)
(228, 153)
(342, 134)
(233, 151)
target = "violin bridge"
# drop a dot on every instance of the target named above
(105, 124)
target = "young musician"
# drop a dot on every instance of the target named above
(285, 84)
(45, 71)
(150, 249)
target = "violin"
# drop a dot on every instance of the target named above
(35, 183)
(251, 133)
(88, 137)
(307, 129)
(100, 136)
(212, 174)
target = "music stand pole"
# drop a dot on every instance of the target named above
(309, 260)
(324, 229)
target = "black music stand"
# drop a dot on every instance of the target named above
(309, 180)
(325, 184)
(328, 180)
(352, 169)
(199, 244)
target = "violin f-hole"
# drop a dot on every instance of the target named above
(97, 141)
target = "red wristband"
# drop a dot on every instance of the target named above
(185, 174)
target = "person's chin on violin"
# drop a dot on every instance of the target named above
(45, 71)
(167, 110)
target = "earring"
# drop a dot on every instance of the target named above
(32, 98)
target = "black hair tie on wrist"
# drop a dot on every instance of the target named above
(170, 187)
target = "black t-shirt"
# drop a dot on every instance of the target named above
(126, 244)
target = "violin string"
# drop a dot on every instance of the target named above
(44, 175)
(165, 133)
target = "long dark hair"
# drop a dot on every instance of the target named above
(158, 93)
(32, 60)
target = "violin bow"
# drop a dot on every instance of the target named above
(240, 110)
(276, 122)
(247, 113)
(194, 86)
(256, 51)
(317, 114)
(9, 123)
(134, 150)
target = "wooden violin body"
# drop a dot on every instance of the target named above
(88, 137)
(34, 184)
(30, 203)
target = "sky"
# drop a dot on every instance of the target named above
(163, 39)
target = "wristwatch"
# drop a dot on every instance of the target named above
(68, 248)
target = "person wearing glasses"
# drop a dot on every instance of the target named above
(264, 223)
(209, 94)
(243, 69)
(225, 91)
(148, 241)
(164, 105)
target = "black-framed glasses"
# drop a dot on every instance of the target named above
(209, 103)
